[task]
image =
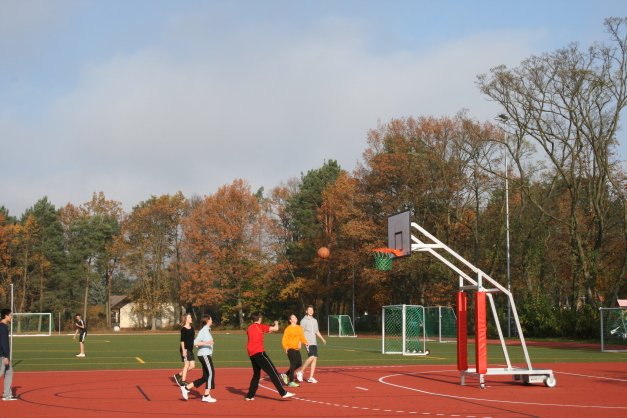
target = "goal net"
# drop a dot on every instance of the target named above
(340, 326)
(31, 324)
(403, 330)
(440, 323)
(613, 329)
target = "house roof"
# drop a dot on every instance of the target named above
(117, 301)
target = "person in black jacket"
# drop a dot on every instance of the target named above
(186, 349)
(5, 355)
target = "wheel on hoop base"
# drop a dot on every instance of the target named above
(550, 381)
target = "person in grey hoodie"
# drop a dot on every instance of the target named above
(204, 342)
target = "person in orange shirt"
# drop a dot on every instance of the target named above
(293, 338)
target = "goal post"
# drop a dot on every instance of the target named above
(340, 326)
(403, 330)
(440, 324)
(613, 329)
(34, 324)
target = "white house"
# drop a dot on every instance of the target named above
(124, 313)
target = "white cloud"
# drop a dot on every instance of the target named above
(263, 106)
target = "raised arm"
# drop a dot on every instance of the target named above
(274, 327)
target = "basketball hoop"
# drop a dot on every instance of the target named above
(383, 258)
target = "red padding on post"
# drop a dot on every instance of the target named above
(462, 331)
(481, 333)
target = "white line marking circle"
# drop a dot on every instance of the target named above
(382, 380)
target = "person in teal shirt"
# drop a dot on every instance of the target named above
(204, 342)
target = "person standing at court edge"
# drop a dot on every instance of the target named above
(5, 355)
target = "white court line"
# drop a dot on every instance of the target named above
(360, 388)
(595, 377)
(273, 389)
(382, 380)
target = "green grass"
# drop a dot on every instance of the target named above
(158, 351)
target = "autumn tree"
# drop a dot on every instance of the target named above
(224, 261)
(349, 232)
(307, 233)
(8, 232)
(568, 104)
(430, 166)
(151, 233)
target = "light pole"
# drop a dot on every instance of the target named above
(503, 118)
(353, 302)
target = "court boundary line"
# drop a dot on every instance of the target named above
(468, 398)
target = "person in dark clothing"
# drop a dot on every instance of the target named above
(81, 331)
(187, 350)
(5, 355)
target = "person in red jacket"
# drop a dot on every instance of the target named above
(259, 359)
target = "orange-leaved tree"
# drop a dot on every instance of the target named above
(428, 166)
(151, 233)
(224, 261)
(349, 233)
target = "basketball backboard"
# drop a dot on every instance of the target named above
(399, 233)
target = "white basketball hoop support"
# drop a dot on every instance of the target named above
(423, 241)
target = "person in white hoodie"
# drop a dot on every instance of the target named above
(204, 342)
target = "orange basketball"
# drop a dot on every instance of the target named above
(323, 252)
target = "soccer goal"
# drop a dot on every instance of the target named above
(440, 324)
(31, 324)
(340, 326)
(403, 330)
(613, 329)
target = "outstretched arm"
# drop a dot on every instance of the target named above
(275, 326)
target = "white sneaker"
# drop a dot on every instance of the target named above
(288, 395)
(80, 355)
(208, 399)
(312, 380)
(284, 377)
(9, 398)
(299, 376)
(250, 399)
(184, 392)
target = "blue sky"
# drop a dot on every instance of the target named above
(140, 98)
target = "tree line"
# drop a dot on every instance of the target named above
(240, 250)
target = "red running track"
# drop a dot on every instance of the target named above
(583, 390)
